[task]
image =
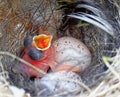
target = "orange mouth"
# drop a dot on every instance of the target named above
(42, 41)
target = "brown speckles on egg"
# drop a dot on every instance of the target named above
(59, 82)
(78, 46)
(72, 51)
(65, 41)
(83, 62)
(57, 44)
(83, 49)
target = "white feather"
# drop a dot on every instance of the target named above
(95, 20)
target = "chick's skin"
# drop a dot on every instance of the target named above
(42, 63)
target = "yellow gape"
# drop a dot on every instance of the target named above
(42, 42)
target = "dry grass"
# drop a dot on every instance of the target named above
(110, 84)
(7, 90)
(108, 87)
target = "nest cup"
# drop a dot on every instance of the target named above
(21, 18)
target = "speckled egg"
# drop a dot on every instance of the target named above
(71, 54)
(58, 83)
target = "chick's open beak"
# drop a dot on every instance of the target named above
(42, 42)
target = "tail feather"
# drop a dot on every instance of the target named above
(95, 20)
(95, 10)
(105, 15)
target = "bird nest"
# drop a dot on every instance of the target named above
(21, 18)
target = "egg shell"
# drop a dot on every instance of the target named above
(72, 54)
(57, 82)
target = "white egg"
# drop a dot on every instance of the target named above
(58, 82)
(71, 51)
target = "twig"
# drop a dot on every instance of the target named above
(93, 93)
(23, 61)
(109, 89)
(106, 59)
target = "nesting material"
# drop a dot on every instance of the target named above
(7, 90)
(71, 54)
(109, 86)
(17, 23)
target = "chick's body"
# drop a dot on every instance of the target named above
(65, 54)
(42, 63)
